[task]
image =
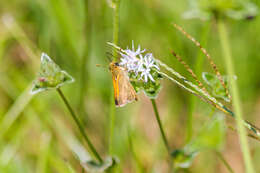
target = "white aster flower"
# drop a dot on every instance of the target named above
(146, 63)
(145, 74)
(149, 61)
(134, 61)
(134, 53)
(129, 58)
(129, 62)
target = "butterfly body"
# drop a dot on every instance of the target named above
(123, 90)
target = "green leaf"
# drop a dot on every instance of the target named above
(50, 76)
(215, 85)
(95, 167)
(182, 159)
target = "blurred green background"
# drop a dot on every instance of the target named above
(36, 132)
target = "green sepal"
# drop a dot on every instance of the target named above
(137, 84)
(50, 76)
(150, 88)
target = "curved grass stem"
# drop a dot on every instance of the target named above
(160, 125)
(80, 126)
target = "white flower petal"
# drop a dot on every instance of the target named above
(134, 61)
(151, 77)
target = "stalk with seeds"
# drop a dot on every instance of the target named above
(204, 96)
(213, 101)
(213, 65)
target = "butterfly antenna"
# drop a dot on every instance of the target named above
(101, 65)
(187, 67)
(213, 65)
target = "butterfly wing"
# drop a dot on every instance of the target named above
(123, 90)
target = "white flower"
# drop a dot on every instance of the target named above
(145, 73)
(145, 65)
(149, 61)
(134, 61)
(129, 58)
(134, 53)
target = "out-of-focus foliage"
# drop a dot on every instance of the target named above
(234, 9)
(210, 137)
(35, 131)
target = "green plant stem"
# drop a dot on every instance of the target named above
(160, 125)
(84, 71)
(80, 126)
(198, 70)
(235, 93)
(116, 27)
(111, 122)
(224, 162)
(112, 102)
